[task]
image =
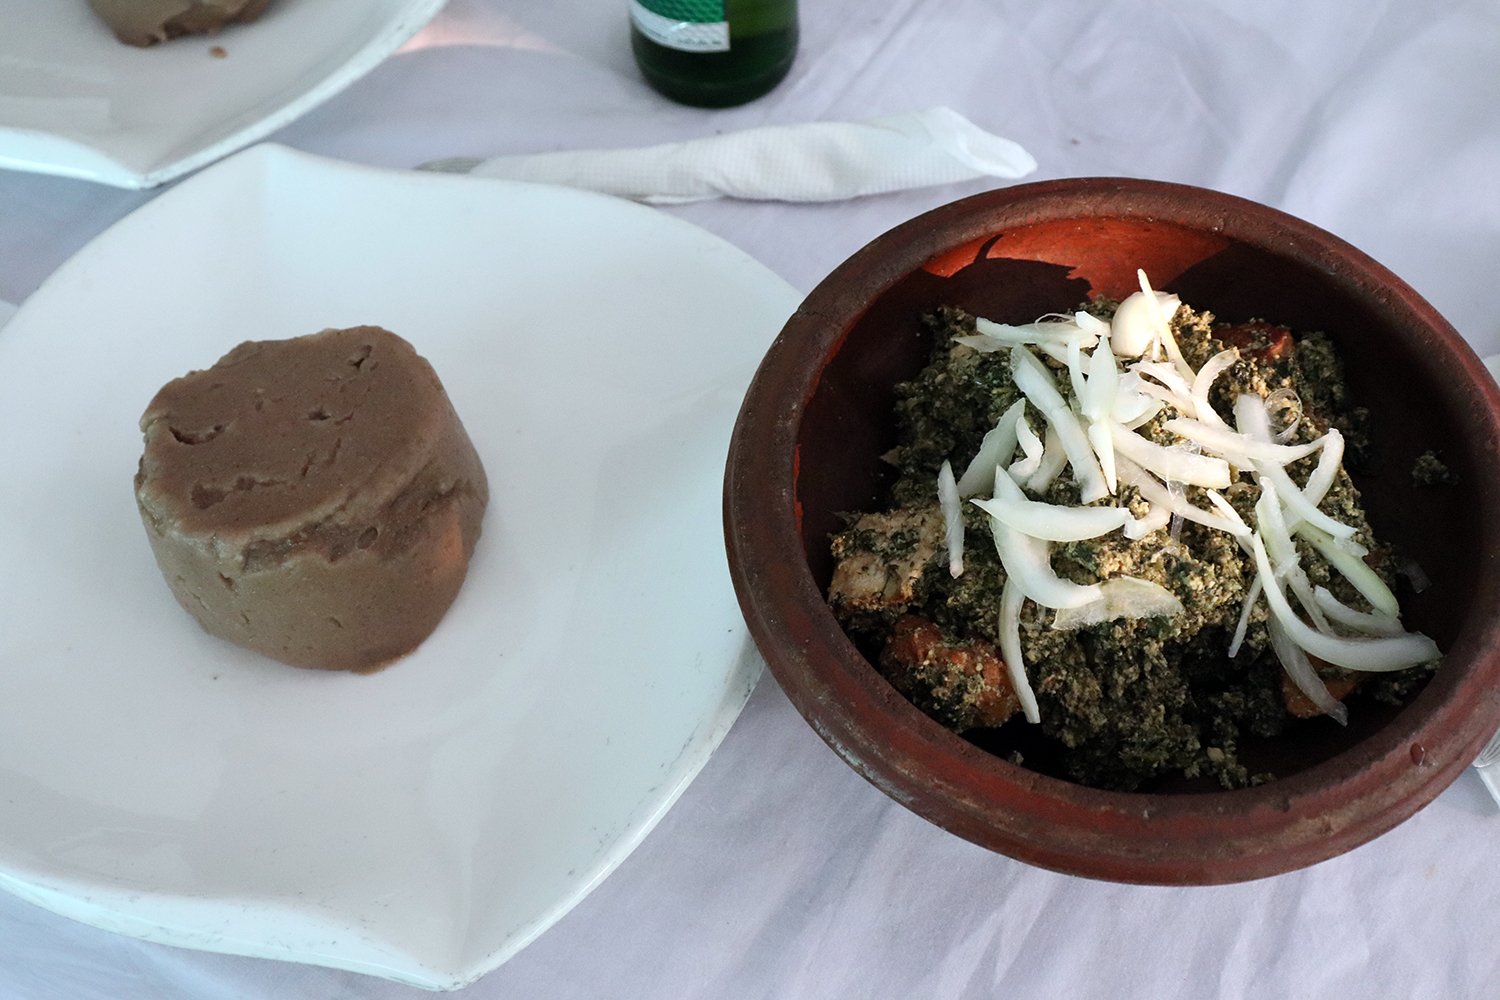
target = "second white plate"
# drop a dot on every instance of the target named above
(425, 822)
(76, 102)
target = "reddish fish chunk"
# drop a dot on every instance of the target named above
(1257, 339)
(963, 685)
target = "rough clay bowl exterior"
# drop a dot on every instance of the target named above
(818, 416)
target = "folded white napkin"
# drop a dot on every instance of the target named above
(818, 161)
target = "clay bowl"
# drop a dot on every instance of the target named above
(818, 416)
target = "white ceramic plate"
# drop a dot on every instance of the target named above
(425, 822)
(76, 102)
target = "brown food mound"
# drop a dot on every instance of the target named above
(143, 23)
(315, 499)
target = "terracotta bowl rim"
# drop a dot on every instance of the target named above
(1204, 838)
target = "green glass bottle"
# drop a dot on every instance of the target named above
(713, 53)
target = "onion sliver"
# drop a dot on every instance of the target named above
(1011, 599)
(1321, 480)
(1028, 561)
(984, 343)
(1170, 463)
(1360, 621)
(1098, 398)
(1060, 328)
(1159, 517)
(1297, 667)
(1148, 409)
(1251, 417)
(1283, 553)
(1244, 622)
(1104, 450)
(1163, 499)
(1036, 382)
(1053, 522)
(1179, 389)
(1297, 504)
(1162, 320)
(1075, 372)
(1031, 445)
(1056, 332)
(1233, 445)
(1364, 579)
(1123, 597)
(1230, 514)
(1204, 381)
(953, 519)
(1377, 654)
(1053, 461)
(1162, 394)
(995, 450)
(1091, 324)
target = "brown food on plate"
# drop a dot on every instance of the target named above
(316, 499)
(143, 23)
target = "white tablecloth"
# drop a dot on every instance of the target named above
(781, 873)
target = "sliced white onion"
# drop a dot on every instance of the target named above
(1321, 480)
(991, 336)
(1252, 420)
(1298, 506)
(1091, 324)
(1170, 463)
(998, 446)
(1011, 599)
(1375, 654)
(1031, 447)
(1104, 450)
(1075, 373)
(1180, 388)
(1098, 406)
(1098, 398)
(1033, 379)
(1121, 597)
(1051, 521)
(1301, 671)
(1162, 499)
(1230, 514)
(1204, 381)
(1054, 459)
(1139, 409)
(1354, 569)
(1283, 552)
(1166, 396)
(1244, 623)
(1360, 621)
(1056, 350)
(953, 519)
(1235, 446)
(1162, 320)
(1158, 517)
(1059, 328)
(984, 344)
(1028, 561)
